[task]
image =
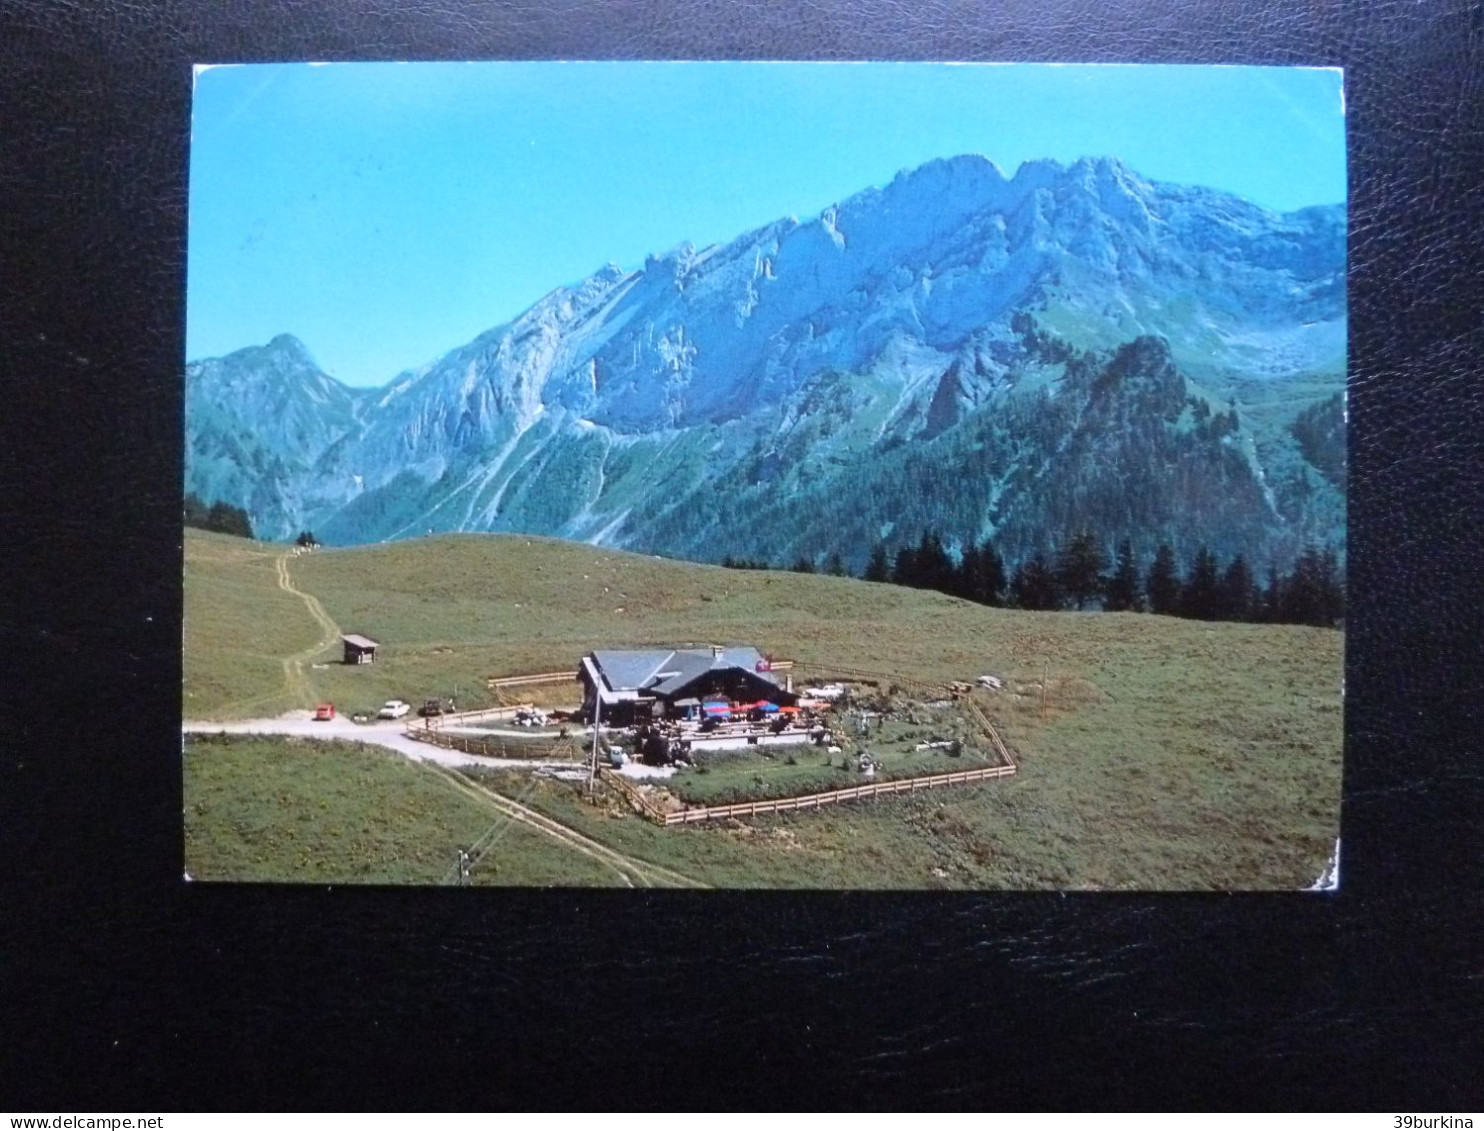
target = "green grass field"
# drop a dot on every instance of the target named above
(308, 811)
(238, 627)
(724, 777)
(1156, 753)
(891, 843)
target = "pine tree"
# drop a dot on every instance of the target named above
(1238, 592)
(835, 565)
(1200, 597)
(195, 511)
(1269, 606)
(991, 583)
(1314, 593)
(1163, 585)
(1079, 568)
(934, 566)
(1034, 585)
(227, 519)
(803, 565)
(879, 566)
(982, 574)
(904, 567)
(1301, 596)
(963, 573)
(1124, 594)
(222, 517)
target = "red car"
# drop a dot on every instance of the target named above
(324, 712)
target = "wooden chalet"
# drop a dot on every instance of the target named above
(359, 649)
(635, 686)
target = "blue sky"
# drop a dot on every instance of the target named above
(385, 213)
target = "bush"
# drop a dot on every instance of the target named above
(223, 518)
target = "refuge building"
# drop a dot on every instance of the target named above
(359, 649)
(631, 686)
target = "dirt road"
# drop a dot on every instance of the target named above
(302, 724)
(633, 871)
(296, 686)
(390, 734)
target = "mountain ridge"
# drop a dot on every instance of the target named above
(899, 316)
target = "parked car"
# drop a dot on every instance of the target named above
(393, 709)
(324, 712)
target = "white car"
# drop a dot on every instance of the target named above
(828, 691)
(393, 709)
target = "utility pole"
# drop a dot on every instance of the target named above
(592, 773)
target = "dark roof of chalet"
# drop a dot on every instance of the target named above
(665, 671)
(359, 641)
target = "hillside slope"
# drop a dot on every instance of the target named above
(1163, 753)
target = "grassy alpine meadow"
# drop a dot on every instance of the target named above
(1155, 752)
(758, 773)
(893, 843)
(239, 626)
(294, 810)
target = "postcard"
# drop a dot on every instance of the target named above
(766, 475)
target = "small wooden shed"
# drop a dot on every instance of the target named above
(359, 649)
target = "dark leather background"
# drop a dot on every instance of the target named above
(121, 987)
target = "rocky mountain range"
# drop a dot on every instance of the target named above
(1070, 348)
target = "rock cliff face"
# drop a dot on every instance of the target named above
(1071, 347)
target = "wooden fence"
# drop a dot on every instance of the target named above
(989, 732)
(1006, 768)
(495, 747)
(645, 806)
(480, 714)
(503, 681)
(916, 687)
(499, 685)
(810, 800)
(839, 673)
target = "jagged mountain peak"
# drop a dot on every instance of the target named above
(292, 346)
(963, 173)
(1103, 167)
(282, 367)
(952, 308)
(682, 253)
(284, 352)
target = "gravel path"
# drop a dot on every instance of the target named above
(302, 723)
(381, 733)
